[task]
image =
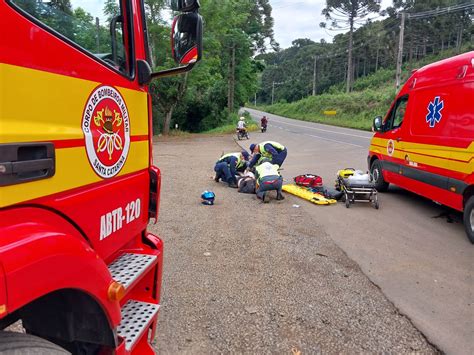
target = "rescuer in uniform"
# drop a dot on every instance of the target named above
(268, 179)
(274, 151)
(228, 165)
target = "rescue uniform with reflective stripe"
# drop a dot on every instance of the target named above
(227, 166)
(268, 178)
(240, 163)
(272, 150)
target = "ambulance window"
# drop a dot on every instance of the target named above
(87, 24)
(398, 113)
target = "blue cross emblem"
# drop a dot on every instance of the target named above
(434, 112)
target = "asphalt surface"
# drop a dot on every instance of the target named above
(253, 278)
(414, 250)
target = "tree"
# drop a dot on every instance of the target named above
(228, 74)
(343, 13)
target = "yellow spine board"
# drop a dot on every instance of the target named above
(313, 197)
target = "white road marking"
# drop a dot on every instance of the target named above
(333, 140)
(324, 130)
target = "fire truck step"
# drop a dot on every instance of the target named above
(136, 319)
(128, 268)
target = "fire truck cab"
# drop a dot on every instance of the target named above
(425, 144)
(77, 182)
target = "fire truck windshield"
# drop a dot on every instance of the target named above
(97, 27)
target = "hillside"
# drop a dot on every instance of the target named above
(371, 97)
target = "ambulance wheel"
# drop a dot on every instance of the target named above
(12, 343)
(376, 171)
(469, 218)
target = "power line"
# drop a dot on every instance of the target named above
(439, 12)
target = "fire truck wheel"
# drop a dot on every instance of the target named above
(469, 218)
(376, 171)
(12, 343)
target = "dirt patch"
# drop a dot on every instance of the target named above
(247, 277)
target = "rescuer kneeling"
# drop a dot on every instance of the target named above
(274, 151)
(268, 179)
(228, 165)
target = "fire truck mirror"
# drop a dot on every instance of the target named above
(186, 38)
(377, 126)
(184, 5)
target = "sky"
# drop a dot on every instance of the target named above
(300, 19)
(293, 18)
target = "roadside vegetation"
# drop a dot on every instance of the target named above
(372, 96)
(242, 61)
(230, 126)
(355, 73)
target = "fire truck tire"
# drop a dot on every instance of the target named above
(376, 171)
(469, 218)
(12, 343)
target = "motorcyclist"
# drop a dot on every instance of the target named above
(241, 126)
(263, 122)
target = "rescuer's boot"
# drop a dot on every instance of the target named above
(280, 196)
(216, 178)
(233, 184)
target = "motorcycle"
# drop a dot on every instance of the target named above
(263, 128)
(242, 134)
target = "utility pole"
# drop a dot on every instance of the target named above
(400, 51)
(231, 88)
(255, 102)
(273, 90)
(314, 75)
(97, 25)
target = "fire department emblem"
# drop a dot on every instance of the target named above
(106, 128)
(390, 147)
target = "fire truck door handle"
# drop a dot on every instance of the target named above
(20, 163)
(29, 166)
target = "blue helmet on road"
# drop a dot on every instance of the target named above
(208, 198)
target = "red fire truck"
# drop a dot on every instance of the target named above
(77, 182)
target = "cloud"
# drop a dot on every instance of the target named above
(301, 19)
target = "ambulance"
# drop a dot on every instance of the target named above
(79, 270)
(425, 143)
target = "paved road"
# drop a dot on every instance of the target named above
(237, 280)
(413, 249)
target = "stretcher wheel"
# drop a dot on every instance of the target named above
(376, 202)
(348, 201)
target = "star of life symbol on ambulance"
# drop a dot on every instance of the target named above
(434, 115)
(106, 128)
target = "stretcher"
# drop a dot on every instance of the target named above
(308, 195)
(357, 191)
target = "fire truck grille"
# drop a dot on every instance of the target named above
(127, 268)
(136, 319)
